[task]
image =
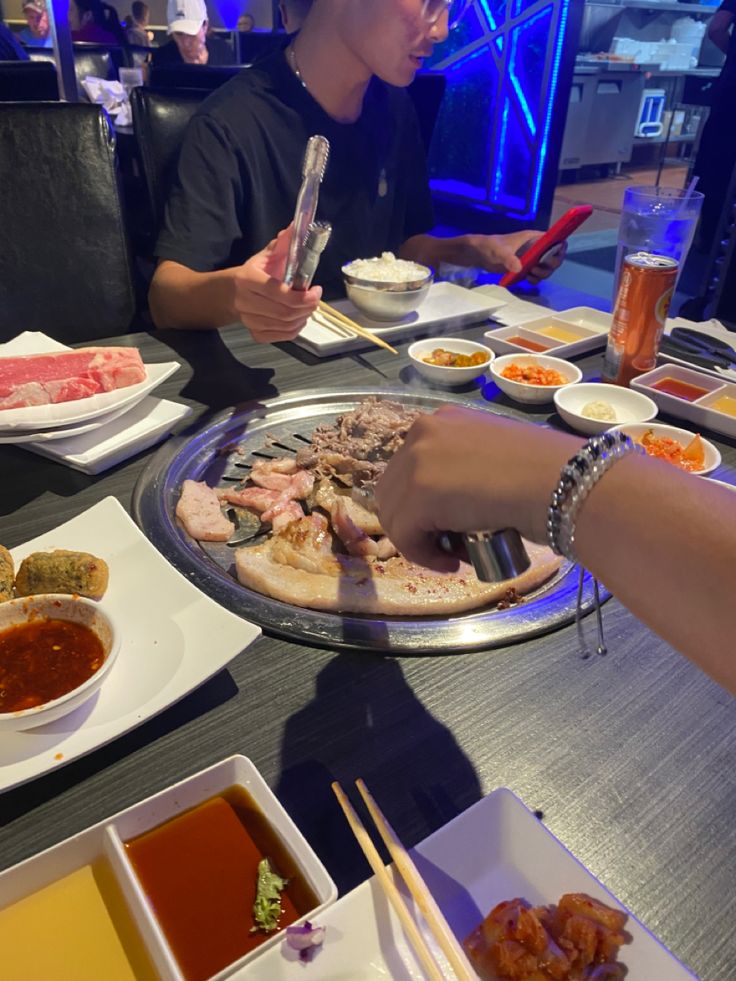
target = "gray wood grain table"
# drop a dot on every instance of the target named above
(630, 757)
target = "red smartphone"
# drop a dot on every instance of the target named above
(557, 234)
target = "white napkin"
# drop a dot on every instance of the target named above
(111, 95)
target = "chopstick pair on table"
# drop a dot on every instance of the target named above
(424, 900)
(331, 318)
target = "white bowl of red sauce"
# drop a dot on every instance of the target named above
(55, 652)
(450, 360)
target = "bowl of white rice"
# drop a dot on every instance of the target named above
(386, 288)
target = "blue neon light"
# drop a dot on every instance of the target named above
(501, 64)
(491, 21)
(562, 24)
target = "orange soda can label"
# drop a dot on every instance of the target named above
(642, 302)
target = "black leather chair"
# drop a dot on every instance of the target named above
(89, 59)
(207, 78)
(27, 81)
(254, 45)
(64, 262)
(160, 117)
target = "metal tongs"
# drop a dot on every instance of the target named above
(495, 555)
(313, 170)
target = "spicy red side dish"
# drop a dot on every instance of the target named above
(576, 940)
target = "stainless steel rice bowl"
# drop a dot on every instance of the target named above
(386, 288)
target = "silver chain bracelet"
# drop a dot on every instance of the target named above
(579, 475)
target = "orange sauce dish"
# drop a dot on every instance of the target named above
(199, 871)
(680, 389)
(533, 374)
(44, 659)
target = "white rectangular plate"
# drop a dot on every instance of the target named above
(495, 850)
(41, 417)
(174, 639)
(107, 837)
(134, 431)
(700, 413)
(446, 305)
(586, 317)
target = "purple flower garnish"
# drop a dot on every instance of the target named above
(306, 939)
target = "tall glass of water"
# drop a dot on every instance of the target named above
(661, 220)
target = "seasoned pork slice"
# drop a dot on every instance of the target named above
(367, 521)
(299, 567)
(198, 509)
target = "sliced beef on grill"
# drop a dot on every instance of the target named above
(356, 449)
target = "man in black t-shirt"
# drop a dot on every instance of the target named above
(221, 253)
(717, 151)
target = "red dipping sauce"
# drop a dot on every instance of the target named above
(44, 659)
(527, 343)
(199, 872)
(680, 389)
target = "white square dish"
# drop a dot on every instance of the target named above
(591, 326)
(701, 411)
(106, 840)
(175, 638)
(136, 430)
(446, 305)
(495, 850)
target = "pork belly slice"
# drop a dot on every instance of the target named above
(65, 376)
(198, 509)
(299, 567)
(276, 505)
(326, 496)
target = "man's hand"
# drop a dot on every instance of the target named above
(266, 306)
(500, 253)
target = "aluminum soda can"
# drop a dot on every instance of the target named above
(643, 299)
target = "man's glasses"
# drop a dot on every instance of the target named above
(432, 10)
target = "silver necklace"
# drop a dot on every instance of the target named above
(295, 67)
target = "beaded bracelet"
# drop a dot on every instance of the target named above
(579, 475)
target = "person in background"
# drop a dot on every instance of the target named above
(246, 23)
(95, 22)
(189, 42)
(293, 13)
(662, 540)
(136, 26)
(716, 157)
(223, 248)
(37, 34)
(10, 48)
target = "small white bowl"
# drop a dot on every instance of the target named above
(683, 436)
(534, 394)
(55, 606)
(441, 374)
(629, 406)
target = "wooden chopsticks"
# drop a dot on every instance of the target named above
(335, 318)
(417, 887)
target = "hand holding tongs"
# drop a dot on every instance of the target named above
(494, 555)
(313, 170)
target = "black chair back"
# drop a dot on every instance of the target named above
(255, 45)
(427, 91)
(89, 59)
(160, 117)
(206, 78)
(64, 262)
(28, 81)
